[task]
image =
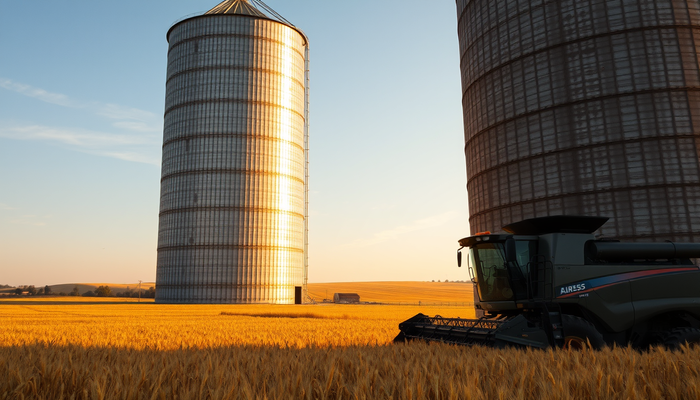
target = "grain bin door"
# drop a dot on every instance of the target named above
(297, 294)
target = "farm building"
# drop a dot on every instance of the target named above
(346, 298)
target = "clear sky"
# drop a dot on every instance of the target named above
(82, 88)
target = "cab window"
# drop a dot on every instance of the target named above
(492, 277)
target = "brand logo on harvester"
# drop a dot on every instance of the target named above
(572, 288)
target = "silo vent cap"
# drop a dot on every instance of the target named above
(238, 7)
(245, 7)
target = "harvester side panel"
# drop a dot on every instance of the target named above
(657, 295)
(613, 306)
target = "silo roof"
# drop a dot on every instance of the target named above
(236, 7)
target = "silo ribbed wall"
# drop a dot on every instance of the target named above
(232, 189)
(583, 107)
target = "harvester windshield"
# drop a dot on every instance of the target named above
(491, 274)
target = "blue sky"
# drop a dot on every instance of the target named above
(82, 87)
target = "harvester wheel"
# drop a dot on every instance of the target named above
(578, 333)
(679, 336)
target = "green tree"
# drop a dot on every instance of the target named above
(31, 290)
(103, 291)
(75, 291)
(47, 289)
(19, 291)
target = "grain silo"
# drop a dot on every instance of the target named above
(234, 185)
(583, 107)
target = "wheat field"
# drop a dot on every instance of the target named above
(170, 327)
(116, 350)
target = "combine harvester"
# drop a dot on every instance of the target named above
(550, 283)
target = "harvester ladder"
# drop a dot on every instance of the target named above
(541, 292)
(540, 277)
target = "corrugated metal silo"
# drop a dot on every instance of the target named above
(234, 184)
(583, 107)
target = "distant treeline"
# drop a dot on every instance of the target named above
(105, 291)
(102, 291)
(149, 294)
(30, 290)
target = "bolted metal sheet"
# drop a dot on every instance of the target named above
(585, 107)
(234, 181)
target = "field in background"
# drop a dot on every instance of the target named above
(113, 350)
(380, 292)
(69, 300)
(395, 292)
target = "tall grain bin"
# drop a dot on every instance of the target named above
(583, 107)
(233, 209)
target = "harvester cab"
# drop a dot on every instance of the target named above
(549, 282)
